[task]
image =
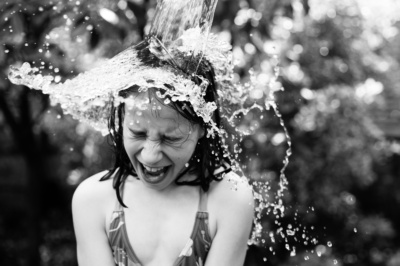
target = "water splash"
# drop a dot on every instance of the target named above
(174, 17)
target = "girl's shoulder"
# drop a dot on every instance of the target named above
(231, 206)
(93, 193)
(233, 191)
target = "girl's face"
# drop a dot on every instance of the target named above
(159, 142)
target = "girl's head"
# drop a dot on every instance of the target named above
(164, 143)
(158, 141)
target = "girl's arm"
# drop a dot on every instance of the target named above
(234, 211)
(89, 208)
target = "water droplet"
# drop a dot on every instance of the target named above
(186, 164)
(290, 232)
(264, 259)
(58, 116)
(335, 262)
(355, 230)
(329, 244)
(7, 51)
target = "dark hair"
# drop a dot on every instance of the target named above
(208, 154)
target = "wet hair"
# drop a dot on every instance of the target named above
(208, 154)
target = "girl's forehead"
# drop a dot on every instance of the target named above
(153, 114)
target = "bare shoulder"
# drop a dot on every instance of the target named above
(92, 192)
(232, 188)
(232, 194)
(91, 206)
(231, 208)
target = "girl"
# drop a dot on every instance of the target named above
(165, 201)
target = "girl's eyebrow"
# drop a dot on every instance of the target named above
(178, 131)
(166, 134)
(171, 128)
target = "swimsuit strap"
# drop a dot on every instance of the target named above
(203, 201)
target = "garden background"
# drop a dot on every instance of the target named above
(340, 73)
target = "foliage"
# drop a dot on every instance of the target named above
(340, 158)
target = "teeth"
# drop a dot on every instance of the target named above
(151, 169)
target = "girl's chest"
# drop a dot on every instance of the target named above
(159, 232)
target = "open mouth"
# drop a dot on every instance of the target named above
(154, 174)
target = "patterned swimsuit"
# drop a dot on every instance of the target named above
(194, 253)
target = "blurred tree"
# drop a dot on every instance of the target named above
(333, 76)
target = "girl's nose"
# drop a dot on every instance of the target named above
(151, 153)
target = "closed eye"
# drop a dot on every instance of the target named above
(172, 139)
(141, 135)
(137, 134)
